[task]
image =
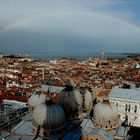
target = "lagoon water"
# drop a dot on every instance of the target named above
(76, 55)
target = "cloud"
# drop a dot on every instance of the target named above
(102, 23)
(19, 9)
(10, 24)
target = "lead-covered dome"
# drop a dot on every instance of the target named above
(50, 118)
(105, 115)
(71, 101)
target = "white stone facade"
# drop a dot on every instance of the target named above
(128, 108)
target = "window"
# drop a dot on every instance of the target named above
(129, 107)
(116, 104)
(126, 107)
(135, 109)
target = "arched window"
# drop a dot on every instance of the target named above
(126, 107)
(129, 108)
(135, 110)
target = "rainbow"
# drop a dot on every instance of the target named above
(24, 20)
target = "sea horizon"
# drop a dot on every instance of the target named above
(78, 56)
(71, 55)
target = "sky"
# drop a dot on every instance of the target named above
(69, 26)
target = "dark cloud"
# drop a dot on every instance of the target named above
(27, 26)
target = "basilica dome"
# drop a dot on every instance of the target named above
(105, 115)
(50, 117)
(71, 100)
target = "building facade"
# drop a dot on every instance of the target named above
(127, 102)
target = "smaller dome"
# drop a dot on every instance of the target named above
(50, 117)
(36, 99)
(105, 115)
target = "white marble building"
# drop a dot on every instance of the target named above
(127, 102)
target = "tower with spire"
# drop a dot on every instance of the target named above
(102, 53)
